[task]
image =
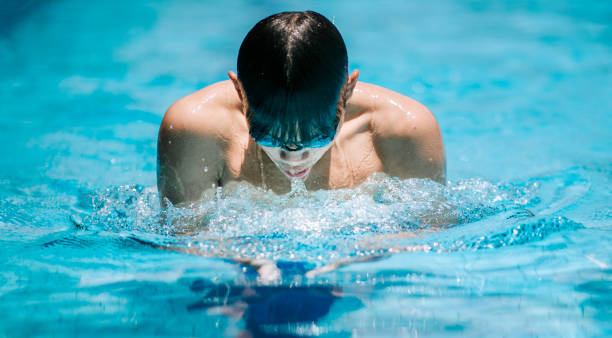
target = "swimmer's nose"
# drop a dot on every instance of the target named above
(294, 156)
(292, 146)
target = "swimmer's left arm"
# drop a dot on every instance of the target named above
(409, 143)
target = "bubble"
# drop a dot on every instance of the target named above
(382, 216)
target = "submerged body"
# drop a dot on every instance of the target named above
(204, 143)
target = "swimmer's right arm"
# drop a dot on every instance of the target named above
(189, 158)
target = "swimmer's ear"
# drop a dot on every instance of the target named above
(238, 86)
(351, 82)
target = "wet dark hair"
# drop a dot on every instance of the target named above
(293, 66)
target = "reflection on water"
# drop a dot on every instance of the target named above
(271, 311)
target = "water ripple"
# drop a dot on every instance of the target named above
(382, 216)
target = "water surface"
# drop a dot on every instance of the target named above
(517, 243)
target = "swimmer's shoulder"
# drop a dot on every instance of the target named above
(393, 114)
(404, 131)
(210, 111)
(196, 134)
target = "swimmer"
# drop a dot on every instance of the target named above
(293, 112)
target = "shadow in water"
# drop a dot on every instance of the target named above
(272, 311)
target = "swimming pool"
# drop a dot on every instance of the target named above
(520, 89)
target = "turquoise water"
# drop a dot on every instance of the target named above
(522, 246)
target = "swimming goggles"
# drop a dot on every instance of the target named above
(268, 140)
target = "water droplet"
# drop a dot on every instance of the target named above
(171, 127)
(298, 188)
(205, 169)
(169, 142)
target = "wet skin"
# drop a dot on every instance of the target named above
(204, 142)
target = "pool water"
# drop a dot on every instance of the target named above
(517, 243)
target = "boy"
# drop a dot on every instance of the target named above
(293, 112)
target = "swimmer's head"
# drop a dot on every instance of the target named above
(293, 68)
